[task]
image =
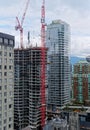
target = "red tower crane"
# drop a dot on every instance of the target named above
(19, 25)
(43, 65)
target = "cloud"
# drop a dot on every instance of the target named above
(74, 12)
(80, 46)
(78, 5)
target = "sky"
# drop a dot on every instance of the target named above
(75, 12)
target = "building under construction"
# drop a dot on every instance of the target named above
(27, 90)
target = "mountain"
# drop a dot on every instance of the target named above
(74, 59)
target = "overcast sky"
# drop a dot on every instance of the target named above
(74, 12)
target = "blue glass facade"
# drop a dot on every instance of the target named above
(58, 43)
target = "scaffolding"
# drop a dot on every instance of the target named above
(27, 89)
(21, 109)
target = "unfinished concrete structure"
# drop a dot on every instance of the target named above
(27, 95)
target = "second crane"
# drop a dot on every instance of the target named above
(19, 25)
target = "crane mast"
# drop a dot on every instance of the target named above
(43, 66)
(19, 25)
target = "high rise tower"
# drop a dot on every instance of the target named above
(58, 42)
(6, 82)
(27, 88)
(81, 82)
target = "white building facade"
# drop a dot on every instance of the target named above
(6, 82)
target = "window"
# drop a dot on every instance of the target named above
(11, 42)
(4, 128)
(55, 128)
(5, 80)
(5, 67)
(10, 113)
(10, 106)
(0, 116)
(11, 93)
(10, 67)
(5, 114)
(11, 61)
(11, 87)
(0, 60)
(0, 95)
(0, 108)
(6, 41)
(0, 53)
(5, 100)
(82, 118)
(5, 53)
(5, 93)
(0, 124)
(0, 74)
(0, 47)
(5, 73)
(10, 48)
(5, 60)
(10, 118)
(5, 121)
(0, 67)
(0, 80)
(1, 40)
(10, 99)
(0, 87)
(5, 107)
(5, 87)
(10, 125)
(11, 80)
(10, 54)
(5, 47)
(11, 74)
(0, 102)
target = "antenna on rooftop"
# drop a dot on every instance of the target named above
(28, 38)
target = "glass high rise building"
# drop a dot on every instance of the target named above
(58, 43)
